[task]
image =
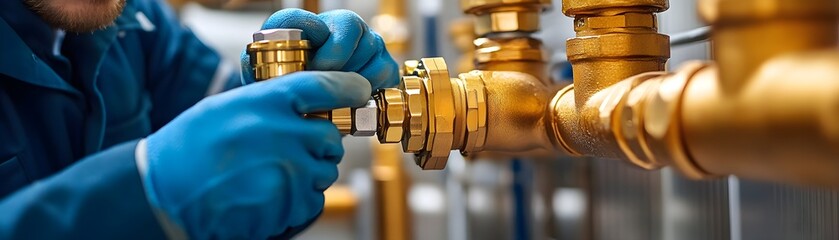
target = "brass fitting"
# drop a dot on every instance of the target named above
(520, 54)
(751, 114)
(615, 40)
(494, 16)
(276, 52)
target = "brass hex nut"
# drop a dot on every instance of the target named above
(476, 111)
(627, 20)
(441, 113)
(507, 21)
(416, 120)
(391, 115)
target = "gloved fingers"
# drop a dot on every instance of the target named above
(382, 71)
(346, 29)
(324, 174)
(314, 29)
(368, 47)
(322, 140)
(311, 92)
(247, 70)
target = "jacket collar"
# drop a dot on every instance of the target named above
(20, 62)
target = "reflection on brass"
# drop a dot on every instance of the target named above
(462, 34)
(391, 187)
(392, 24)
(276, 52)
(615, 40)
(339, 200)
(520, 54)
(767, 109)
(311, 5)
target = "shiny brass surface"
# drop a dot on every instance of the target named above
(392, 24)
(494, 16)
(462, 34)
(615, 40)
(520, 54)
(391, 193)
(767, 109)
(339, 200)
(272, 58)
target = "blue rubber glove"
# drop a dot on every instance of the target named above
(341, 41)
(245, 164)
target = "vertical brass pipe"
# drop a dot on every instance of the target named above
(392, 23)
(391, 186)
(311, 5)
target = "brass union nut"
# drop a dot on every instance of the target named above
(391, 115)
(417, 118)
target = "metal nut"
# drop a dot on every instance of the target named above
(365, 120)
(278, 34)
(441, 113)
(391, 116)
(628, 20)
(417, 118)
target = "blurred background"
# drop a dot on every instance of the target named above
(381, 194)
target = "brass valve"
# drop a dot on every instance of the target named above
(429, 113)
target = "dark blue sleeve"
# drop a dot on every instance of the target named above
(100, 197)
(181, 69)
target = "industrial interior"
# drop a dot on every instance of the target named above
(576, 119)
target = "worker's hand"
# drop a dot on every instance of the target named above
(245, 164)
(341, 41)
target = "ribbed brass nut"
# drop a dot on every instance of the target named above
(391, 115)
(417, 119)
(630, 118)
(441, 113)
(271, 58)
(584, 7)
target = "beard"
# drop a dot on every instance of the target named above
(79, 16)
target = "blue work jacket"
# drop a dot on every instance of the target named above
(72, 108)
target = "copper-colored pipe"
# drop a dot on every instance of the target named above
(391, 187)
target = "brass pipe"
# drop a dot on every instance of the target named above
(391, 187)
(311, 5)
(392, 23)
(339, 200)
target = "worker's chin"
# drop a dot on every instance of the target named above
(79, 16)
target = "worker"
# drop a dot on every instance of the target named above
(105, 131)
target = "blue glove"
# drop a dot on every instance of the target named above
(341, 41)
(245, 164)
